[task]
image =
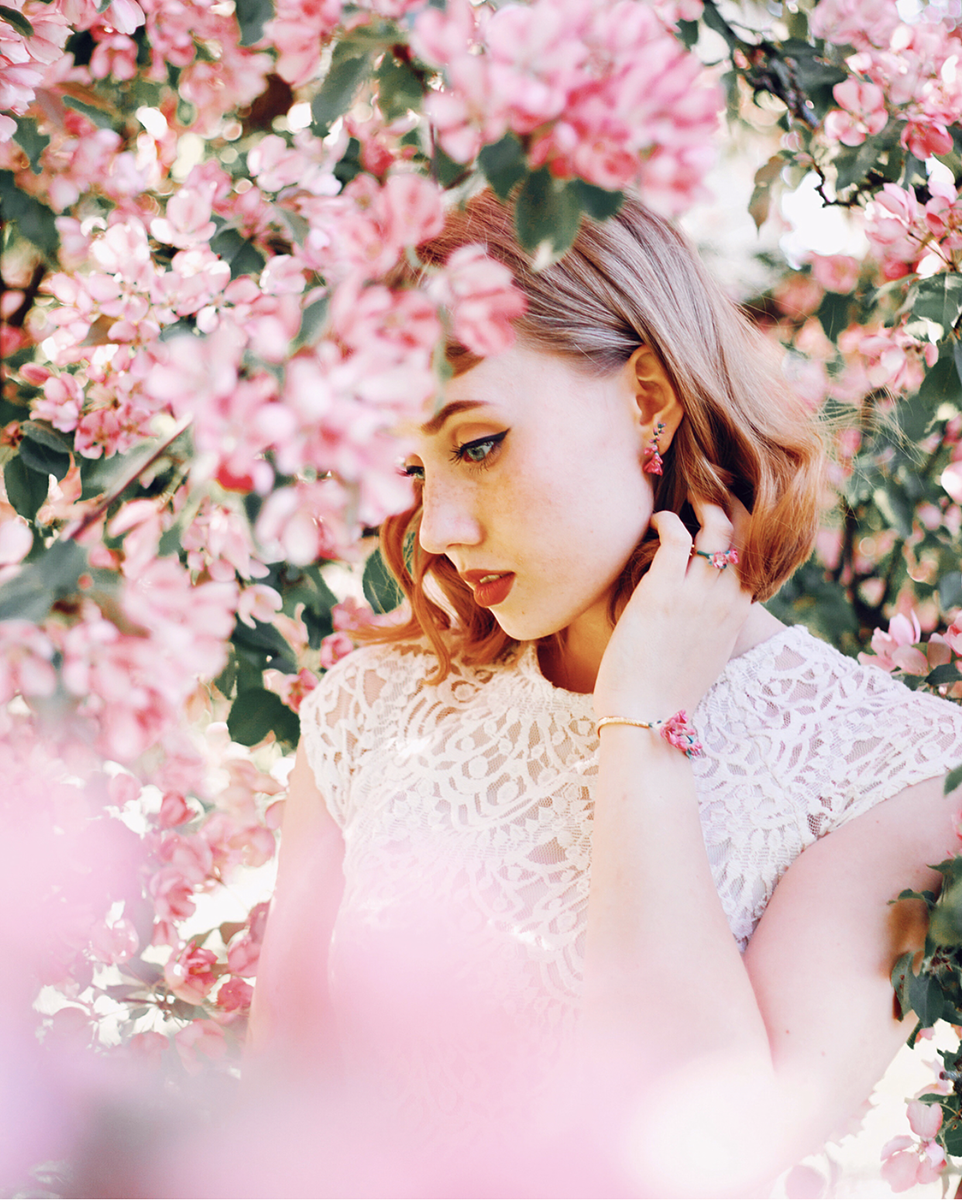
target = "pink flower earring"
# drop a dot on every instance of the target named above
(653, 460)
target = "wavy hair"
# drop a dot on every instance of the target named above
(631, 281)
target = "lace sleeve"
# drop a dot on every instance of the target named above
(336, 721)
(859, 736)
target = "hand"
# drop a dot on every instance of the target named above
(678, 630)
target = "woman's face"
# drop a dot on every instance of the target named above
(533, 487)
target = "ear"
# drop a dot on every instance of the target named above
(655, 398)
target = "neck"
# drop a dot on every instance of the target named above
(572, 657)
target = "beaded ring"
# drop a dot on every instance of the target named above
(719, 559)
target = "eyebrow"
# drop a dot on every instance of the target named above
(436, 424)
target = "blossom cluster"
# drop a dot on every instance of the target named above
(593, 88)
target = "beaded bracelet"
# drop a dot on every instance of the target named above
(676, 731)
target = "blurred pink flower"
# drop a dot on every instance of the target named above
(896, 649)
(836, 272)
(200, 1041)
(188, 974)
(335, 647)
(482, 298)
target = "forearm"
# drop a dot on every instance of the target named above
(670, 1010)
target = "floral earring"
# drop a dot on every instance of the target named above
(653, 460)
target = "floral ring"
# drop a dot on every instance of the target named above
(719, 559)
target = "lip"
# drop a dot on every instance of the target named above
(489, 587)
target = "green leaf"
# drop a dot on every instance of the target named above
(714, 20)
(950, 590)
(399, 88)
(852, 165)
(312, 322)
(935, 305)
(687, 33)
(380, 589)
(953, 779)
(925, 999)
(347, 72)
(251, 15)
(243, 256)
(895, 507)
(100, 117)
(264, 642)
(598, 203)
(833, 314)
(947, 673)
(32, 592)
(945, 924)
(255, 713)
(34, 221)
(503, 164)
(31, 141)
(38, 456)
(17, 20)
(547, 216)
(951, 1133)
(445, 169)
(765, 177)
(26, 488)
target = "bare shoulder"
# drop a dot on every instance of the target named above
(821, 958)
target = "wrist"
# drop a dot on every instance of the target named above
(675, 730)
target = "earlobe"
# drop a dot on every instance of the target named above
(658, 406)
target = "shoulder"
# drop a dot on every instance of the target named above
(365, 675)
(843, 732)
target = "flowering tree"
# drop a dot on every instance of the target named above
(205, 204)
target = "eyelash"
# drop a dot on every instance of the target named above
(460, 454)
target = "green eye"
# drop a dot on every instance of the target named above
(478, 451)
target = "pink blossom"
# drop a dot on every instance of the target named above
(351, 614)
(187, 220)
(482, 297)
(189, 975)
(149, 1046)
(926, 139)
(292, 689)
(198, 1041)
(126, 16)
(242, 957)
(836, 272)
(258, 603)
(172, 894)
(62, 402)
(862, 112)
(925, 1119)
(174, 810)
(951, 481)
(896, 649)
(335, 647)
(15, 543)
(854, 22)
(235, 995)
(26, 654)
(114, 943)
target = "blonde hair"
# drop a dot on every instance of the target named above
(627, 282)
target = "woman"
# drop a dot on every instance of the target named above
(530, 864)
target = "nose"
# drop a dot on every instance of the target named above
(448, 517)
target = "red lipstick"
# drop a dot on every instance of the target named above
(489, 587)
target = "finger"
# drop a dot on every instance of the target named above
(716, 530)
(675, 549)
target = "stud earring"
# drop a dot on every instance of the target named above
(653, 460)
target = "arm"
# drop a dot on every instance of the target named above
(732, 1068)
(291, 1019)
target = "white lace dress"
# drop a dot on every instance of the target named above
(466, 811)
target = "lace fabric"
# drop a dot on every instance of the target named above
(466, 810)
